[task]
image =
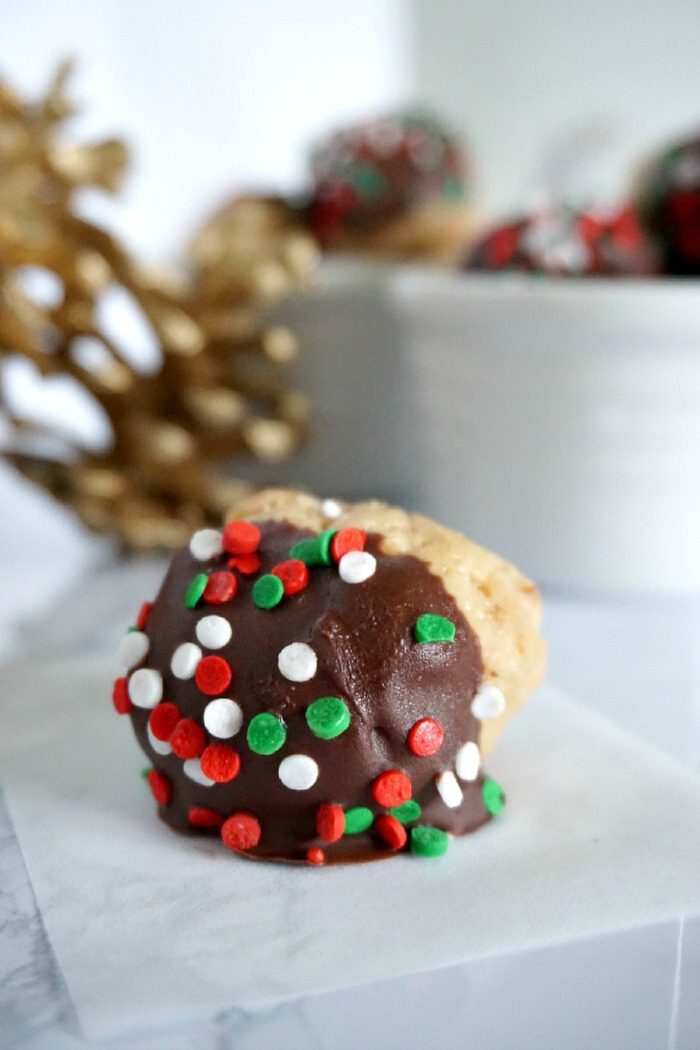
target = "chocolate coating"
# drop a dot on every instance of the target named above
(363, 637)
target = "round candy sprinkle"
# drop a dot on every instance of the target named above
(293, 574)
(241, 537)
(206, 544)
(241, 831)
(185, 660)
(489, 702)
(493, 796)
(298, 772)
(391, 788)
(161, 747)
(316, 551)
(220, 763)
(268, 591)
(425, 737)
(266, 733)
(120, 696)
(328, 717)
(358, 819)
(407, 812)
(187, 739)
(163, 719)
(192, 769)
(221, 587)
(347, 540)
(432, 628)
(427, 841)
(223, 718)
(213, 675)
(330, 822)
(448, 788)
(160, 786)
(246, 564)
(467, 761)
(195, 590)
(146, 687)
(213, 632)
(357, 566)
(144, 613)
(297, 662)
(200, 817)
(315, 855)
(133, 648)
(391, 831)
(330, 508)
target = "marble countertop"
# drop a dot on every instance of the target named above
(637, 663)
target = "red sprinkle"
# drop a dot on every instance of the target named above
(164, 717)
(241, 831)
(315, 855)
(389, 829)
(241, 537)
(220, 762)
(200, 817)
(346, 540)
(330, 822)
(293, 574)
(213, 675)
(220, 588)
(391, 788)
(187, 739)
(160, 786)
(425, 737)
(144, 613)
(247, 564)
(120, 696)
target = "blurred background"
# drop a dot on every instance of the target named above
(464, 353)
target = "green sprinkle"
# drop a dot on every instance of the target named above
(132, 629)
(266, 734)
(452, 188)
(316, 551)
(432, 628)
(427, 841)
(267, 591)
(358, 819)
(407, 812)
(493, 796)
(145, 771)
(328, 717)
(195, 590)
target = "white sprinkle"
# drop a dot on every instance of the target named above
(297, 662)
(450, 791)
(161, 747)
(331, 508)
(489, 702)
(298, 772)
(146, 687)
(213, 632)
(185, 660)
(132, 649)
(206, 544)
(357, 566)
(192, 769)
(223, 718)
(467, 761)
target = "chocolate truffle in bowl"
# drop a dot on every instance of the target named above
(324, 689)
(396, 186)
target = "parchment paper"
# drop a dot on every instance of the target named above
(600, 832)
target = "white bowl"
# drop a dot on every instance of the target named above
(561, 422)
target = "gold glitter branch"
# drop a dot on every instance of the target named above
(219, 390)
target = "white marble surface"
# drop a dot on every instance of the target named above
(640, 664)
